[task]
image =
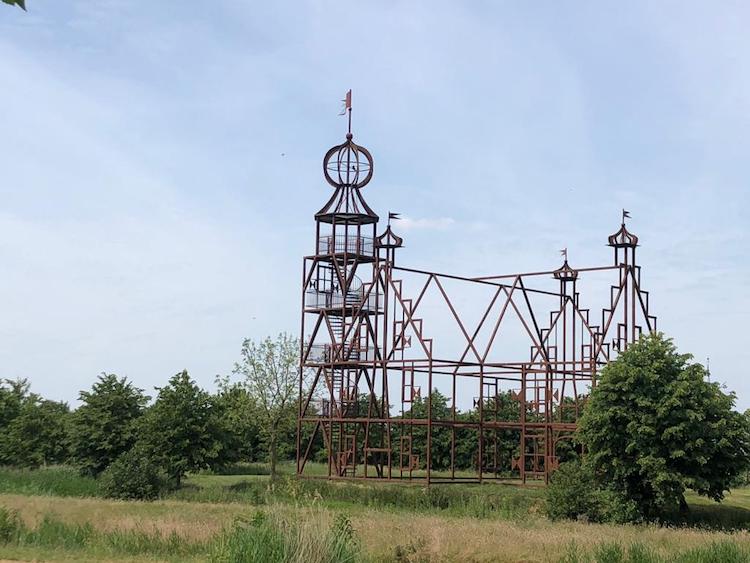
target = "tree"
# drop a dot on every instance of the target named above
(13, 393)
(183, 431)
(440, 452)
(655, 427)
(20, 3)
(103, 427)
(37, 435)
(270, 373)
(239, 412)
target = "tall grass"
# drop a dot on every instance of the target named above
(717, 552)
(55, 480)
(53, 533)
(273, 538)
(267, 537)
(480, 502)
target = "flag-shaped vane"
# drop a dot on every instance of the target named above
(564, 253)
(346, 102)
(394, 216)
(625, 215)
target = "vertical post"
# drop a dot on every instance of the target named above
(632, 296)
(301, 366)
(429, 418)
(480, 464)
(522, 460)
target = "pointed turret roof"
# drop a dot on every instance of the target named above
(565, 272)
(389, 239)
(623, 238)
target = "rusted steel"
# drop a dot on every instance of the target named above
(368, 405)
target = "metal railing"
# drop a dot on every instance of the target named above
(336, 300)
(350, 244)
(324, 353)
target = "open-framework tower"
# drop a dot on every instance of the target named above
(369, 361)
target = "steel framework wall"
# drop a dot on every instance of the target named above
(367, 357)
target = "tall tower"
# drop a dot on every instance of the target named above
(338, 335)
(627, 296)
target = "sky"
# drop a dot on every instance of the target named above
(161, 164)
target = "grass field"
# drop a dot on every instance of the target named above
(214, 518)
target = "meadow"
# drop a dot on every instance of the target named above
(54, 514)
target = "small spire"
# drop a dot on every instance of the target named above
(623, 238)
(565, 272)
(389, 239)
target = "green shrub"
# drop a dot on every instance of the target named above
(133, 476)
(572, 493)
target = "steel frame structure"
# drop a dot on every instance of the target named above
(366, 354)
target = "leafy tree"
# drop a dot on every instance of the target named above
(20, 3)
(103, 428)
(270, 373)
(440, 452)
(183, 431)
(13, 393)
(37, 435)
(239, 412)
(655, 427)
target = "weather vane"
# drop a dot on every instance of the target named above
(564, 253)
(625, 214)
(347, 107)
(394, 216)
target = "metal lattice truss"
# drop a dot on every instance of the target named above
(515, 371)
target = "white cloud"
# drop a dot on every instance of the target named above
(426, 224)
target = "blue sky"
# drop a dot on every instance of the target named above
(149, 222)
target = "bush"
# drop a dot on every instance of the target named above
(133, 476)
(573, 493)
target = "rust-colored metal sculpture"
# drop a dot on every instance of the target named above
(368, 362)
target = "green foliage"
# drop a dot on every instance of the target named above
(571, 493)
(574, 493)
(133, 476)
(270, 372)
(183, 430)
(53, 533)
(103, 427)
(57, 481)
(717, 552)
(474, 501)
(655, 427)
(274, 539)
(34, 429)
(13, 393)
(20, 3)
(238, 411)
(10, 526)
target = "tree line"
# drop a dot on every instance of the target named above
(146, 444)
